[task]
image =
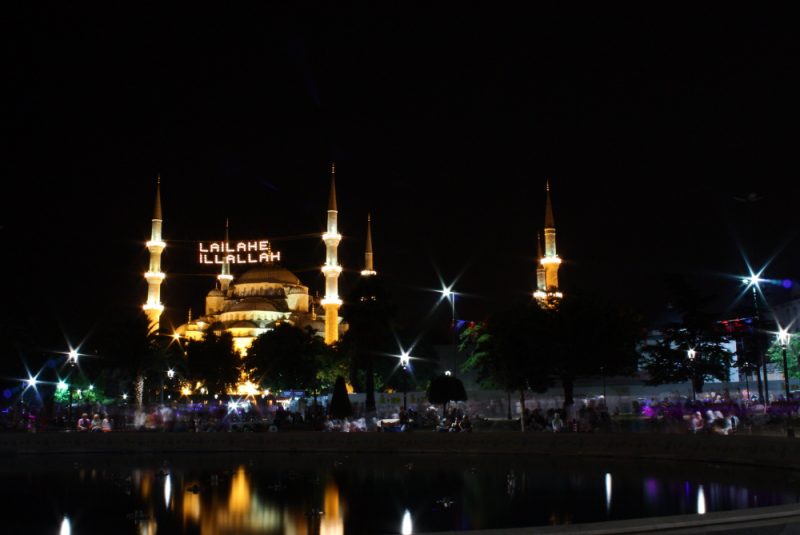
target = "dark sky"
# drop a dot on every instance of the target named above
(445, 125)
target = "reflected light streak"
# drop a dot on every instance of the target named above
(608, 492)
(405, 526)
(66, 528)
(167, 490)
(701, 501)
(331, 522)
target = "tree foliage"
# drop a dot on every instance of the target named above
(775, 354)
(667, 358)
(213, 362)
(444, 389)
(291, 358)
(529, 347)
(340, 406)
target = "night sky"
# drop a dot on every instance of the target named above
(654, 133)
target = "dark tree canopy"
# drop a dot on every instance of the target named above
(667, 358)
(214, 362)
(340, 406)
(446, 388)
(290, 358)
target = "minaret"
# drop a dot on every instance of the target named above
(541, 281)
(368, 270)
(550, 261)
(225, 276)
(154, 276)
(332, 269)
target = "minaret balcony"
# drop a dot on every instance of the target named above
(332, 238)
(156, 245)
(224, 277)
(334, 300)
(331, 270)
(538, 294)
(550, 260)
(153, 306)
(368, 272)
(154, 276)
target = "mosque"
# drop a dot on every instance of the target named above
(262, 297)
(268, 294)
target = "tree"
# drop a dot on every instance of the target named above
(444, 389)
(775, 354)
(369, 313)
(667, 359)
(288, 358)
(340, 406)
(130, 351)
(213, 362)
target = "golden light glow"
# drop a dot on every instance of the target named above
(333, 236)
(334, 300)
(186, 390)
(331, 522)
(156, 244)
(368, 272)
(247, 388)
(550, 260)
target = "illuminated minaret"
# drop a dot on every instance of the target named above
(225, 276)
(154, 276)
(550, 261)
(368, 270)
(541, 281)
(331, 269)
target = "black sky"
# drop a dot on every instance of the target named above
(443, 124)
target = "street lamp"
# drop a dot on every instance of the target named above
(752, 282)
(692, 353)
(404, 361)
(72, 357)
(783, 338)
(448, 293)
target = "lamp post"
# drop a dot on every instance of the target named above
(783, 338)
(450, 295)
(692, 354)
(753, 283)
(404, 360)
(603, 377)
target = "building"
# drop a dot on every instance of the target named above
(547, 289)
(263, 296)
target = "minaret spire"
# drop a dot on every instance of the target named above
(154, 276)
(369, 269)
(225, 276)
(547, 290)
(331, 302)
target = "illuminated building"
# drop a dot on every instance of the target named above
(331, 302)
(369, 269)
(547, 290)
(154, 276)
(266, 294)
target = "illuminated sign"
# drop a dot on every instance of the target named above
(238, 252)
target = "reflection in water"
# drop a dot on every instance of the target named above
(235, 499)
(701, 501)
(167, 491)
(405, 527)
(66, 528)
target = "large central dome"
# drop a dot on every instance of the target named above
(272, 272)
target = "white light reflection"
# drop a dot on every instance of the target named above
(405, 527)
(66, 528)
(608, 492)
(167, 490)
(701, 501)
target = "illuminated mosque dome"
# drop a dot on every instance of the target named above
(254, 302)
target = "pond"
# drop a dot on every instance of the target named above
(350, 493)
